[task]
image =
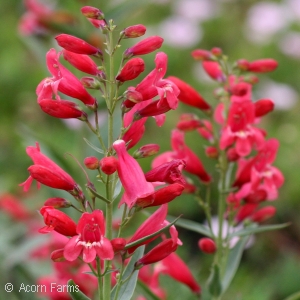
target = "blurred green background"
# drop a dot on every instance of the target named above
(243, 29)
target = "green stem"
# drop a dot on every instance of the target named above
(100, 283)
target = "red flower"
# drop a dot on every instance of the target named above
(90, 240)
(132, 69)
(145, 46)
(47, 172)
(262, 65)
(214, 70)
(134, 31)
(263, 106)
(207, 245)
(58, 221)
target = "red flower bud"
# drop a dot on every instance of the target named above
(58, 221)
(200, 54)
(57, 203)
(240, 89)
(263, 106)
(232, 154)
(263, 65)
(118, 244)
(216, 51)
(188, 95)
(131, 70)
(62, 109)
(133, 95)
(77, 45)
(211, 152)
(134, 31)
(91, 162)
(90, 83)
(81, 62)
(146, 151)
(57, 255)
(214, 70)
(207, 245)
(188, 122)
(263, 214)
(245, 211)
(108, 165)
(145, 46)
(243, 64)
(92, 12)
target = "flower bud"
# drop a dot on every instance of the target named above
(146, 151)
(91, 162)
(263, 65)
(57, 202)
(92, 12)
(200, 54)
(232, 154)
(134, 31)
(57, 255)
(90, 83)
(131, 70)
(207, 245)
(145, 46)
(133, 95)
(263, 214)
(108, 165)
(216, 51)
(263, 106)
(211, 152)
(245, 211)
(243, 64)
(214, 70)
(77, 45)
(188, 122)
(118, 244)
(240, 89)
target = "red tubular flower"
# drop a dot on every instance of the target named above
(263, 106)
(77, 45)
(145, 46)
(63, 81)
(109, 165)
(189, 95)
(263, 214)
(146, 151)
(201, 54)
(45, 171)
(262, 65)
(118, 244)
(214, 70)
(154, 223)
(131, 176)
(245, 211)
(90, 240)
(134, 31)
(81, 62)
(182, 151)
(169, 172)
(92, 12)
(57, 202)
(174, 266)
(62, 109)
(207, 245)
(91, 162)
(131, 70)
(58, 221)
(188, 122)
(161, 196)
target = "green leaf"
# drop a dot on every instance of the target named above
(193, 226)
(234, 259)
(147, 291)
(214, 282)
(256, 229)
(127, 288)
(93, 146)
(295, 296)
(74, 291)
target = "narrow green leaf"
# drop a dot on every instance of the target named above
(193, 226)
(127, 289)
(147, 237)
(214, 282)
(147, 291)
(295, 296)
(256, 229)
(93, 146)
(233, 262)
(74, 291)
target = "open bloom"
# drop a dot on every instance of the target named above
(47, 172)
(90, 240)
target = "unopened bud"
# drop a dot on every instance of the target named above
(243, 64)
(263, 214)
(201, 54)
(263, 65)
(216, 51)
(57, 202)
(57, 255)
(92, 12)
(133, 95)
(118, 244)
(108, 165)
(90, 83)
(263, 106)
(134, 31)
(211, 152)
(131, 70)
(207, 245)
(91, 162)
(188, 122)
(146, 151)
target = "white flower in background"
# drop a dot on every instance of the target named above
(283, 95)
(265, 19)
(197, 10)
(290, 44)
(294, 8)
(180, 32)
